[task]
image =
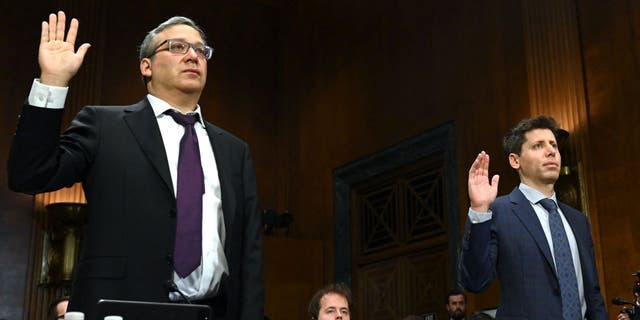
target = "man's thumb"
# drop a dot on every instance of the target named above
(495, 180)
(82, 51)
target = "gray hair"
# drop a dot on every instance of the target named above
(146, 48)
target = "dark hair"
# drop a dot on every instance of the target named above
(337, 288)
(147, 46)
(53, 312)
(454, 292)
(481, 316)
(515, 137)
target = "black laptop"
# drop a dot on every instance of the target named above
(139, 310)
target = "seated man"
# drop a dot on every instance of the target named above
(456, 304)
(332, 302)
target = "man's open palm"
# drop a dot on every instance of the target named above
(57, 57)
(482, 192)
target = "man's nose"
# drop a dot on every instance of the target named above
(551, 151)
(191, 52)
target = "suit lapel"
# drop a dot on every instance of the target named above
(226, 186)
(144, 126)
(522, 209)
(572, 218)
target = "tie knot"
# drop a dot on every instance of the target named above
(183, 119)
(548, 204)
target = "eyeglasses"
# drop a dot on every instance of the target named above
(178, 46)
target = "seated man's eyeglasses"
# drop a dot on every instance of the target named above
(179, 46)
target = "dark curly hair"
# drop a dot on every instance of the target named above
(515, 137)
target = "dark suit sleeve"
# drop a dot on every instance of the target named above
(40, 159)
(479, 256)
(252, 300)
(595, 302)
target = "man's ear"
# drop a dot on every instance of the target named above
(145, 67)
(514, 161)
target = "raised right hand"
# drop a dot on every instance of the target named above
(482, 193)
(56, 56)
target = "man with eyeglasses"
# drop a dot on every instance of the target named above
(172, 199)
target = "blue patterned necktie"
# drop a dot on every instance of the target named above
(190, 188)
(571, 308)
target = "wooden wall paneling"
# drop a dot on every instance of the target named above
(293, 271)
(610, 33)
(556, 88)
(360, 76)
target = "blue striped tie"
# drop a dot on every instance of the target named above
(571, 308)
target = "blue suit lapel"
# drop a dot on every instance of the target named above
(521, 208)
(144, 126)
(573, 218)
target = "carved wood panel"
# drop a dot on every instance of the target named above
(400, 244)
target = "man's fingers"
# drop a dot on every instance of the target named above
(53, 22)
(54, 29)
(44, 33)
(73, 31)
(474, 166)
(485, 164)
(60, 26)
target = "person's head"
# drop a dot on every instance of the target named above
(532, 150)
(58, 308)
(456, 304)
(173, 57)
(331, 302)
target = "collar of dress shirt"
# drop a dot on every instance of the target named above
(534, 195)
(159, 106)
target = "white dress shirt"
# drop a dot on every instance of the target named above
(204, 280)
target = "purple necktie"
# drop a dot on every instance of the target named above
(188, 245)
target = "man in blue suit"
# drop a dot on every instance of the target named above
(513, 236)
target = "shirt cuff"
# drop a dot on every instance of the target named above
(479, 217)
(45, 96)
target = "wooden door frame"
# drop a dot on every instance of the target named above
(440, 139)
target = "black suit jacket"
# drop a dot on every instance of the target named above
(118, 154)
(513, 245)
